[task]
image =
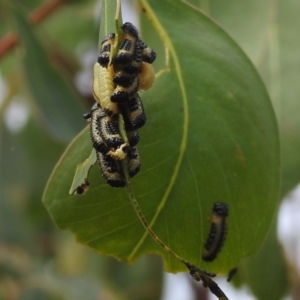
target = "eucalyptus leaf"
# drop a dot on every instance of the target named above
(210, 136)
(110, 16)
(266, 31)
(82, 172)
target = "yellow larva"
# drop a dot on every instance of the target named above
(103, 87)
(217, 233)
(146, 76)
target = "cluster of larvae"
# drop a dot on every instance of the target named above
(116, 83)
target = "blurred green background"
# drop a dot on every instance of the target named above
(39, 262)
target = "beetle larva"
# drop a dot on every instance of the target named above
(127, 73)
(123, 94)
(98, 143)
(110, 170)
(133, 161)
(133, 137)
(146, 76)
(133, 113)
(148, 55)
(103, 87)
(108, 130)
(129, 41)
(217, 233)
(106, 46)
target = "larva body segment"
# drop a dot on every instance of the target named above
(148, 55)
(133, 137)
(134, 66)
(123, 79)
(217, 233)
(109, 131)
(127, 73)
(129, 68)
(106, 46)
(103, 87)
(146, 76)
(130, 29)
(96, 138)
(133, 113)
(110, 170)
(127, 48)
(122, 94)
(134, 164)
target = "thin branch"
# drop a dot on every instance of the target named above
(11, 39)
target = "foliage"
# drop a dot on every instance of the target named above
(210, 136)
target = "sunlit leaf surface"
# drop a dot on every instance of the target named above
(210, 136)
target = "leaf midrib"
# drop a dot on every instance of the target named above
(169, 45)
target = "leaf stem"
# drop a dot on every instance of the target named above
(195, 272)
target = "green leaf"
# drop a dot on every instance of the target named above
(266, 31)
(110, 16)
(52, 94)
(82, 172)
(266, 272)
(210, 136)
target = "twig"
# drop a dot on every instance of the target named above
(10, 40)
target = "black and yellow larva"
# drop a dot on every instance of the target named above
(106, 46)
(133, 137)
(104, 131)
(129, 65)
(110, 170)
(115, 88)
(217, 232)
(134, 164)
(133, 113)
(108, 130)
(122, 94)
(148, 55)
(129, 39)
(126, 74)
(96, 138)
